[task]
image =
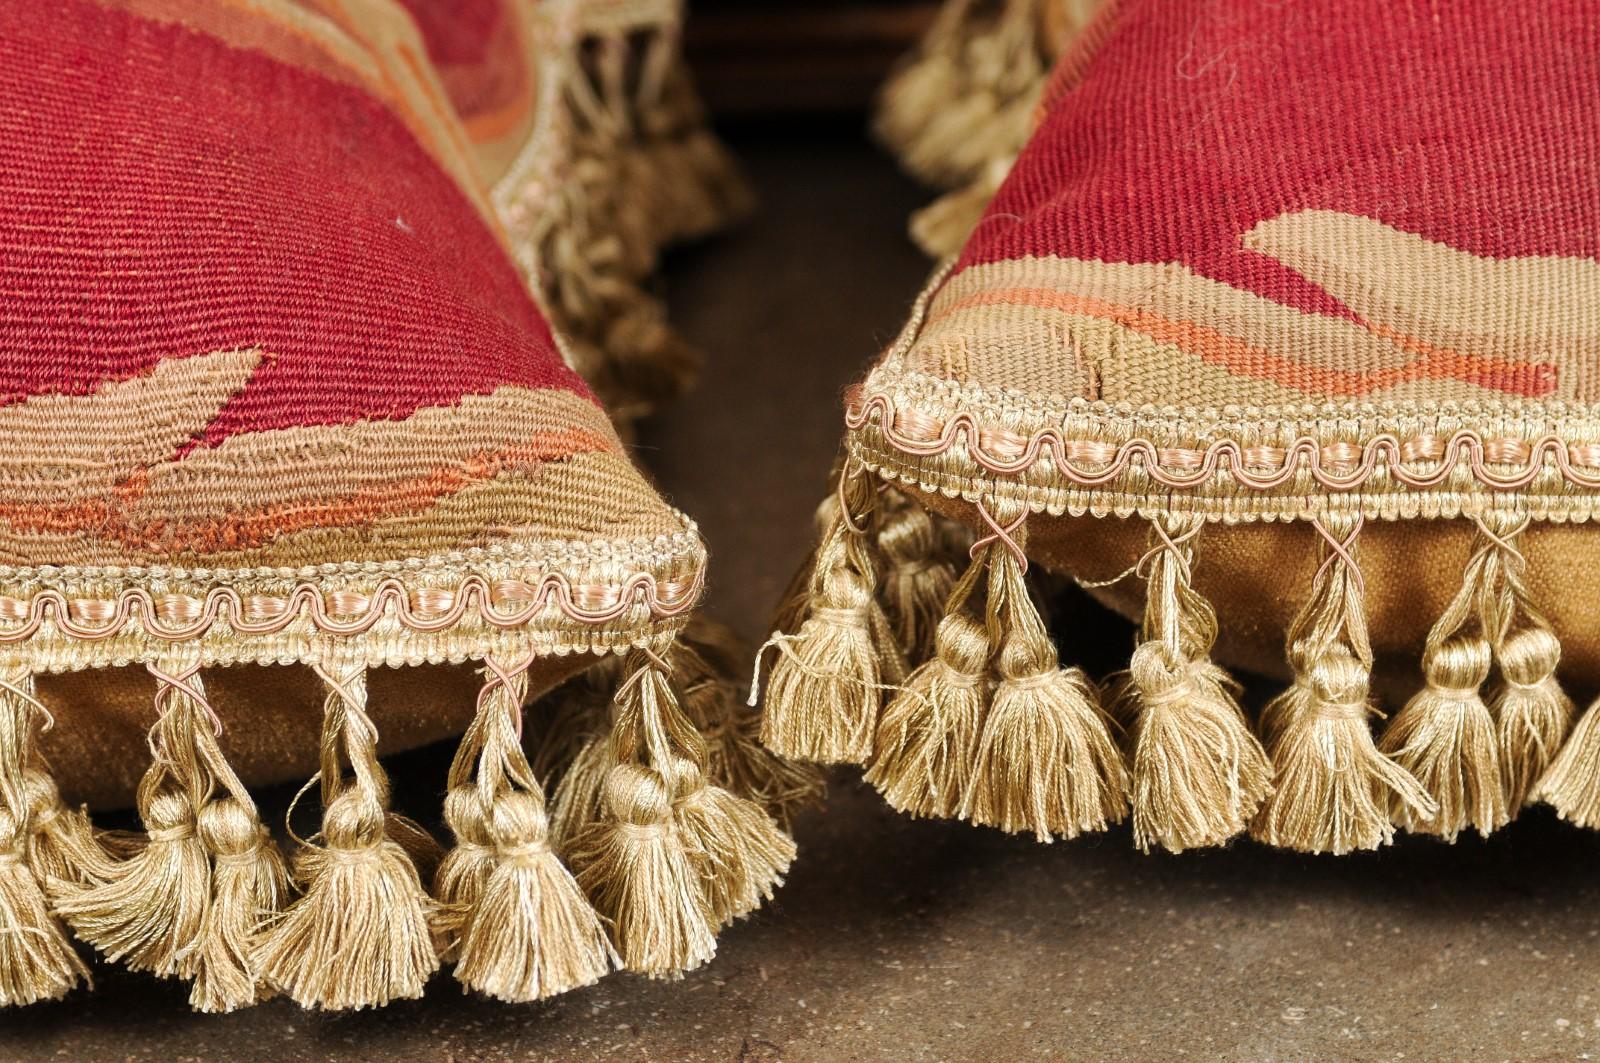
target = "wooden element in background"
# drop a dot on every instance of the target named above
(756, 56)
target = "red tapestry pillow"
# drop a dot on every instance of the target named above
(587, 130)
(1292, 309)
(275, 393)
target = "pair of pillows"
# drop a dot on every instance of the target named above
(1280, 336)
(1279, 332)
(280, 390)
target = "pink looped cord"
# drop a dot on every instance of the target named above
(502, 677)
(1342, 549)
(1504, 542)
(182, 682)
(1000, 533)
(1172, 544)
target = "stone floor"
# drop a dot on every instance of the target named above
(902, 940)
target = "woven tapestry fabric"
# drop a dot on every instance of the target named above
(1280, 337)
(275, 391)
(1261, 204)
(1266, 262)
(255, 316)
(484, 52)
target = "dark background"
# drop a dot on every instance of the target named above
(903, 940)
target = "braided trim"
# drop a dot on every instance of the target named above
(968, 448)
(597, 597)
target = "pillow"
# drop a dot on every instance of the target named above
(1290, 313)
(276, 394)
(655, 160)
(586, 127)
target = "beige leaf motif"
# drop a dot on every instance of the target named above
(1529, 310)
(68, 451)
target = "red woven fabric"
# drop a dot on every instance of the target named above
(165, 195)
(478, 50)
(1182, 123)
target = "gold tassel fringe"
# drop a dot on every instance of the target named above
(188, 901)
(37, 962)
(1445, 736)
(826, 687)
(515, 921)
(637, 167)
(968, 93)
(675, 856)
(926, 746)
(1332, 786)
(359, 934)
(1199, 774)
(703, 659)
(1047, 762)
(1532, 714)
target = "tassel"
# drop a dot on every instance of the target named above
(675, 856)
(632, 862)
(458, 881)
(926, 82)
(1331, 785)
(825, 689)
(927, 740)
(571, 747)
(250, 883)
(579, 798)
(969, 93)
(941, 228)
(738, 850)
(740, 853)
(1446, 738)
(734, 756)
(1571, 785)
(586, 238)
(149, 910)
(1445, 735)
(796, 600)
(675, 168)
(519, 926)
(1532, 713)
(188, 901)
(37, 962)
(1046, 762)
(634, 867)
(62, 843)
(359, 935)
(1198, 773)
(1535, 715)
(533, 933)
(917, 576)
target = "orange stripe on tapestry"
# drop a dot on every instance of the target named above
(255, 528)
(1530, 380)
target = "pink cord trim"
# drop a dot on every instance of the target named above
(1008, 453)
(1001, 533)
(347, 612)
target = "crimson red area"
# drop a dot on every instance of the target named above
(477, 48)
(458, 31)
(1473, 124)
(163, 195)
